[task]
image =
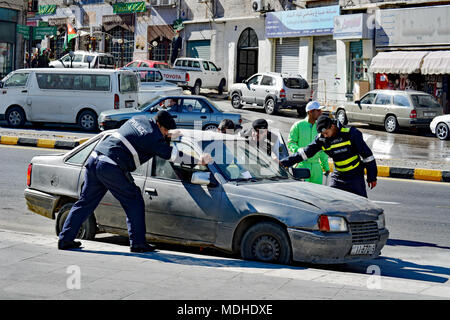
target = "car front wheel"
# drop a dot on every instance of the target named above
(341, 116)
(266, 242)
(236, 101)
(87, 230)
(442, 131)
(15, 117)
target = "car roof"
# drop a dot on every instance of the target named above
(197, 135)
(390, 91)
(141, 69)
(72, 70)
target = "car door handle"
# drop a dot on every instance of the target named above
(151, 191)
(24, 91)
(203, 117)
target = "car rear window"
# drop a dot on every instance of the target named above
(296, 83)
(128, 83)
(424, 101)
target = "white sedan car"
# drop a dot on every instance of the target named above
(440, 126)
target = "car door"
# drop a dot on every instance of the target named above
(207, 78)
(15, 90)
(176, 208)
(194, 114)
(249, 90)
(360, 111)
(215, 75)
(263, 89)
(45, 96)
(381, 106)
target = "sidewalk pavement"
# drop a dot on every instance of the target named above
(33, 268)
(70, 141)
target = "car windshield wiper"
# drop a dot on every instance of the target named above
(253, 179)
(274, 178)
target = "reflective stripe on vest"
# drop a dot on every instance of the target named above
(130, 148)
(345, 129)
(333, 146)
(348, 168)
(344, 162)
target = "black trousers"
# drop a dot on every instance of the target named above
(355, 184)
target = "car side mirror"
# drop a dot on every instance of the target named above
(358, 101)
(245, 81)
(219, 69)
(301, 173)
(201, 178)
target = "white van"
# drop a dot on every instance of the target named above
(81, 60)
(65, 95)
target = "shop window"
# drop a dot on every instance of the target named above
(162, 51)
(122, 45)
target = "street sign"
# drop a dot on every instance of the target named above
(24, 31)
(129, 7)
(39, 33)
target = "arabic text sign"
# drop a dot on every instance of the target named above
(24, 31)
(39, 33)
(415, 26)
(297, 23)
(353, 26)
(129, 7)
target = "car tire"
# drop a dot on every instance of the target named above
(15, 117)
(87, 120)
(221, 86)
(301, 112)
(270, 106)
(266, 242)
(88, 228)
(341, 116)
(195, 90)
(236, 101)
(442, 131)
(391, 124)
(210, 127)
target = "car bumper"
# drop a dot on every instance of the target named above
(107, 125)
(41, 203)
(286, 104)
(329, 248)
(420, 123)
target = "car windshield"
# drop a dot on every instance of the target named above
(424, 101)
(239, 160)
(147, 103)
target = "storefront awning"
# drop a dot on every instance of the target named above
(125, 21)
(397, 62)
(436, 62)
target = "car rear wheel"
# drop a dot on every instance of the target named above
(88, 228)
(15, 117)
(391, 124)
(196, 88)
(210, 127)
(87, 120)
(442, 131)
(341, 116)
(266, 242)
(236, 101)
(270, 106)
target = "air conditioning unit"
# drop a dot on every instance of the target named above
(67, 3)
(257, 5)
(160, 3)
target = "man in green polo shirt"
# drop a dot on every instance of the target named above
(302, 134)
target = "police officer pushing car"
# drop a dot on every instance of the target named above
(108, 168)
(350, 153)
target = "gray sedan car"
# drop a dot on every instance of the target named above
(188, 111)
(242, 203)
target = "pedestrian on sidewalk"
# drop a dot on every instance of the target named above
(304, 132)
(350, 153)
(108, 168)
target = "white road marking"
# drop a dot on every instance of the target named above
(384, 202)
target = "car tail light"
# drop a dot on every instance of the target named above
(324, 224)
(413, 114)
(282, 93)
(116, 101)
(187, 77)
(240, 120)
(29, 175)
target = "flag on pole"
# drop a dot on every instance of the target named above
(70, 34)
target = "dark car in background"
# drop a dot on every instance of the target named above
(189, 111)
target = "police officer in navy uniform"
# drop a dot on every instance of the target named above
(108, 168)
(350, 153)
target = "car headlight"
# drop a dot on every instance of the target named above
(332, 224)
(381, 222)
(106, 118)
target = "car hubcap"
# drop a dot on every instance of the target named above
(266, 248)
(442, 131)
(341, 117)
(236, 101)
(87, 121)
(390, 124)
(211, 128)
(15, 118)
(270, 106)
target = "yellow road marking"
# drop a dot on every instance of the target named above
(45, 143)
(433, 175)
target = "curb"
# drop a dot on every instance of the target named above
(411, 173)
(383, 171)
(41, 143)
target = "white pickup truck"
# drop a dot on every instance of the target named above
(152, 84)
(201, 74)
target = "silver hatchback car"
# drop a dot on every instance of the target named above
(273, 91)
(392, 109)
(243, 203)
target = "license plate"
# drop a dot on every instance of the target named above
(129, 104)
(429, 114)
(363, 249)
(298, 96)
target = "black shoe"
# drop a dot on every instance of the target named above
(143, 248)
(66, 245)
